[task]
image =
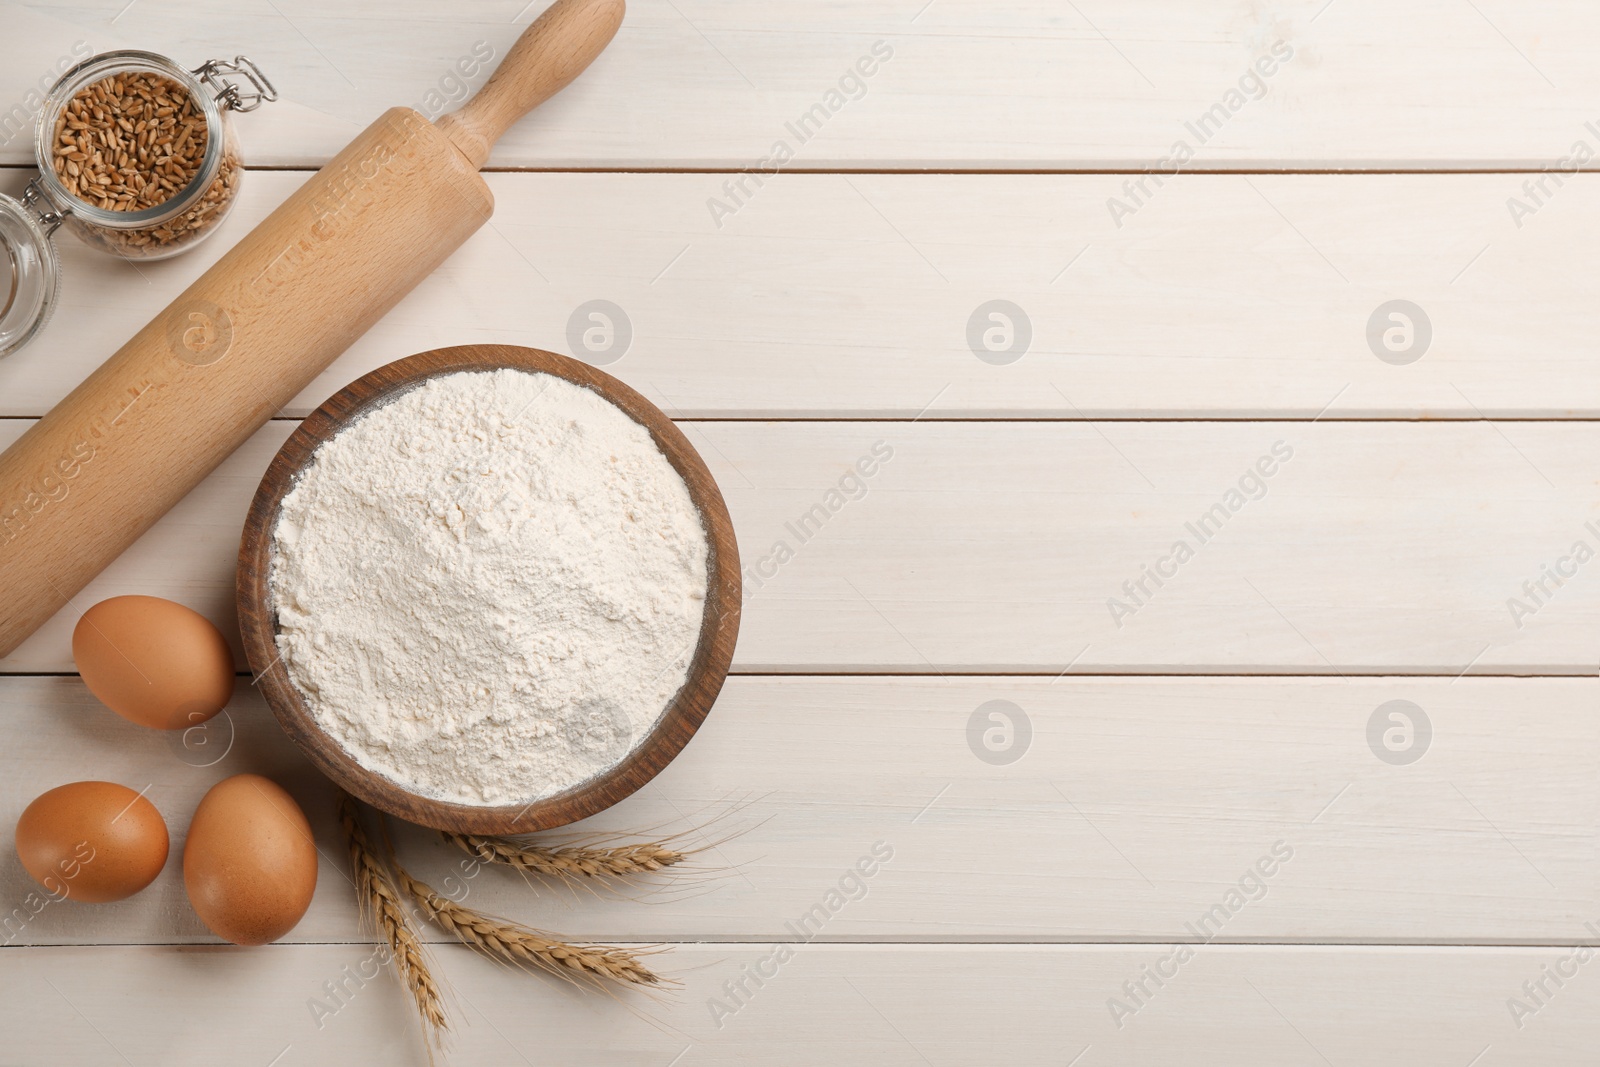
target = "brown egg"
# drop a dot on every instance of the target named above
(249, 863)
(92, 841)
(153, 662)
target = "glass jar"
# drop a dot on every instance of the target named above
(87, 169)
(185, 215)
(29, 271)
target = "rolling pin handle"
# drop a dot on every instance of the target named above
(553, 51)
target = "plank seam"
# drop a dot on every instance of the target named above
(1465, 946)
(1201, 676)
(1352, 170)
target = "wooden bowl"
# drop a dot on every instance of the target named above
(718, 629)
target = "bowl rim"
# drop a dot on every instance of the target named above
(708, 667)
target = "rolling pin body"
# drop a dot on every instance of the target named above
(236, 346)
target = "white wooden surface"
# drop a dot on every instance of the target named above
(835, 296)
(1228, 711)
(1136, 805)
(971, 85)
(882, 1004)
(1377, 548)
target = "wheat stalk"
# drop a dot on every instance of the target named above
(573, 861)
(378, 899)
(520, 946)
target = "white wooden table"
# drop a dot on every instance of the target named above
(1163, 347)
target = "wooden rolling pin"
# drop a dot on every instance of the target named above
(125, 446)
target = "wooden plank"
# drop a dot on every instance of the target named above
(1131, 809)
(970, 85)
(1225, 297)
(836, 1004)
(1376, 547)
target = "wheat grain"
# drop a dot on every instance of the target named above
(518, 945)
(131, 142)
(573, 861)
(117, 111)
(379, 900)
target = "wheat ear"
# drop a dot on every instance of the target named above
(520, 946)
(574, 861)
(380, 901)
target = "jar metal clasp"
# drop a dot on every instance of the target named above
(50, 218)
(215, 74)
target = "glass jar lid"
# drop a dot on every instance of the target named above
(29, 270)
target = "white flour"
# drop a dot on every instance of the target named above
(489, 588)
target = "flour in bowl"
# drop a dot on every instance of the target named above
(489, 588)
